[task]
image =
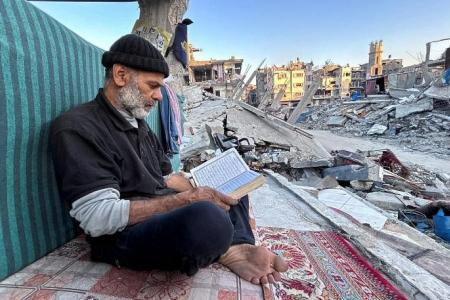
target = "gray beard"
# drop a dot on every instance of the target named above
(132, 100)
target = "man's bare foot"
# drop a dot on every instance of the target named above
(254, 263)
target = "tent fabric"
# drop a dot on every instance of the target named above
(45, 70)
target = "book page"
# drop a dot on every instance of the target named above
(219, 170)
(237, 182)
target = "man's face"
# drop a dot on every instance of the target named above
(138, 96)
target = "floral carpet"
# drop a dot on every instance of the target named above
(323, 265)
(68, 273)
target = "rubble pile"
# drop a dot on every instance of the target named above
(376, 177)
(419, 123)
(216, 123)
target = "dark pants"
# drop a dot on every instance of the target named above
(184, 239)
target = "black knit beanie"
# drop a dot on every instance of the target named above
(135, 52)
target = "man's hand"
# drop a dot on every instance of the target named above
(212, 195)
(178, 182)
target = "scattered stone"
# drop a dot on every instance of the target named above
(311, 163)
(377, 129)
(318, 183)
(336, 121)
(266, 158)
(361, 185)
(207, 155)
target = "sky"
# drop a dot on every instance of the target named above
(280, 31)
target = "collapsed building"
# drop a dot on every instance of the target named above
(219, 77)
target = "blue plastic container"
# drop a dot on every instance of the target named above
(442, 225)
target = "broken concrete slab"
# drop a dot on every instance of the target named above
(310, 163)
(402, 111)
(265, 131)
(344, 201)
(318, 183)
(344, 157)
(355, 172)
(377, 129)
(385, 200)
(431, 192)
(441, 93)
(336, 121)
(361, 185)
(200, 141)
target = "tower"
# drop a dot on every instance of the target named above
(375, 67)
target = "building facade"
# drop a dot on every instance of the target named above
(375, 67)
(219, 77)
(290, 79)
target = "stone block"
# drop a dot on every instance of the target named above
(377, 129)
(361, 185)
(354, 172)
(311, 163)
(336, 121)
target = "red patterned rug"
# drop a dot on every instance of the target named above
(323, 265)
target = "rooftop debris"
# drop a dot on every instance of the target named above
(420, 121)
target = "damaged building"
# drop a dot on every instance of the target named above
(288, 81)
(218, 77)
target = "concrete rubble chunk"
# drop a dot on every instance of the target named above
(361, 185)
(318, 183)
(377, 129)
(402, 111)
(199, 142)
(385, 200)
(207, 154)
(353, 205)
(344, 157)
(336, 121)
(355, 172)
(311, 163)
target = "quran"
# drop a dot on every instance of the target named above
(229, 174)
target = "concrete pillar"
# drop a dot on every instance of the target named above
(156, 23)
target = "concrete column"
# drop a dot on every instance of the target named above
(156, 23)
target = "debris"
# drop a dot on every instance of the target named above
(344, 157)
(337, 121)
(318, 183)
(442, 225)
(199, 142)
(311, 163)
(354, 172)
(377, 129)
(361, 185)
(433, 207)
(389, 161)
(353, 205)
(385, 200)
(402, 111)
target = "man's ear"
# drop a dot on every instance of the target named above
(120, 75)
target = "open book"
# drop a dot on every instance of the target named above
(229, 174)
